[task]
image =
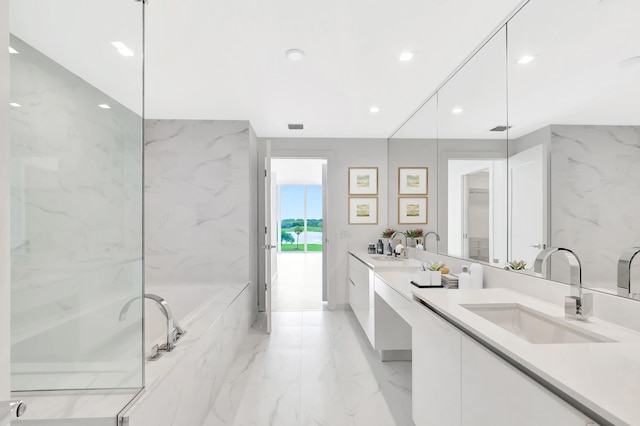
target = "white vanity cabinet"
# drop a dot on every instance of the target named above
(435, 370)
(496, 393)
(457, 381)
(361, 295)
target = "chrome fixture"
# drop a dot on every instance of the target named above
(577, 306)
(424, 246)
(11, 410)
(405, 243)
(174, 331)
(624, 271)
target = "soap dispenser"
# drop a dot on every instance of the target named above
(389, 249)
(464, 279)
(380, 247)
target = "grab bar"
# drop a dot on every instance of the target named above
(11, 410)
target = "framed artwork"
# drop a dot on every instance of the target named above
(412, 210)
(363, 181)
(363, 211)
(413, 180)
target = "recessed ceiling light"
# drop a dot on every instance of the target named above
(295, 55)
(457, 110)
(12, 50)
(405, 56)
(526, 59)
(15, 104)
(122, 48)
(104, 106)
(374, 109)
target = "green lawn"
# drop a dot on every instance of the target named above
(309, 228)
(310, 247)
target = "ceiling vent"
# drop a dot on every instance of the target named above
(296, 126)
(500, 128)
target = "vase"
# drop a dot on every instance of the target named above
(436, 278)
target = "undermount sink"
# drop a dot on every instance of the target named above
(381, 258)
(533, 326)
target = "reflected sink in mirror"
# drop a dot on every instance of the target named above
(387, 259)
(533, 326)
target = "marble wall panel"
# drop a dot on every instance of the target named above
(197, 201)
(595, 197)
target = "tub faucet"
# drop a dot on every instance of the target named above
(174, 331)
(624, 270)
(577, 305)
(405, 242)
(424, 247)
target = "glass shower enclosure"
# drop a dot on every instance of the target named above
(76, 142)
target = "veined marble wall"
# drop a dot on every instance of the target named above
(595, 196)
(197, 201)
(76, 230)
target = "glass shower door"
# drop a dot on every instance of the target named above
(76, 141)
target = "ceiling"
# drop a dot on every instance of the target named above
(226, 60)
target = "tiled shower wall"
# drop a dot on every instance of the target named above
(197, 201)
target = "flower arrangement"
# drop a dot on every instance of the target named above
(516, 265)
(387, 233)
(414, 233)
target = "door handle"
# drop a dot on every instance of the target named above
(11, 410)
(269, 247)
(539, 246)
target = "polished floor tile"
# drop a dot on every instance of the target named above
(299, 283)
(315, 368)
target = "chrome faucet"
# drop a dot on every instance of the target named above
(424, 246)
(174, 331)
(405, 242)
(577, 305)
(624, 270)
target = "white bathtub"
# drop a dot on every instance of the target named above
(182, 385)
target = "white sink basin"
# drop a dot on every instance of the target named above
(381, 258)
(533, 326)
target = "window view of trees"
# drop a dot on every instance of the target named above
(294, 233)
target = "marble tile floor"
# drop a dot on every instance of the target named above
(316, 368)
(299, 283)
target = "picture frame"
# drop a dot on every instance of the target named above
(363, 181)
(413, 210)
(363, 210)
(413, 180)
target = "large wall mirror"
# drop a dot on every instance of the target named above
(574, 149)
(538, 144)
(472, 157)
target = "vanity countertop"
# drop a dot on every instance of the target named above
(602, 376)
(383, 262)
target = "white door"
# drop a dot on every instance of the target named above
(269, 249)
(325, 227)
(527, 205)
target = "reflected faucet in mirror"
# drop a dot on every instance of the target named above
(424, 247)
(577, 305)
(624, 271)
(404, 254)
(174, 331)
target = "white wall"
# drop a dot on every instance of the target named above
(414, 153)
(5, 258)
(342, 154)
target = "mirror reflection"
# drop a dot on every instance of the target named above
(575, 137)
(472, 157)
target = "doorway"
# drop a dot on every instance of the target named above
(298, 219)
